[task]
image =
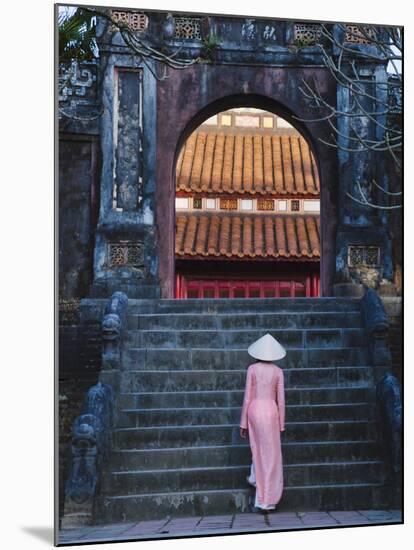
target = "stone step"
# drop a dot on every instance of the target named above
(294, 338)
(201, 435)
(224, 455)
(235, 305)
(129, 418)
(350, 496)
(232, 379)
(218, 358)
(234, 477)
(233, 398)
(252, 320)
(93, 309)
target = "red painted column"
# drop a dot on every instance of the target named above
(308, 293)
(177, 289)
(314, 286)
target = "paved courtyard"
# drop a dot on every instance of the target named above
(233, 523)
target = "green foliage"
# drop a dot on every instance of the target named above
(210, 46)
(77, 36)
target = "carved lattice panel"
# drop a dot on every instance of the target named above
(197, 203)
(306, 34)
(372, 256)
(265, 204)
(117, 255)
(295, 205)
(137, 22)
(363, 256)
(188, 28)
(356, 36)
(355, 256)
(125, 254)
(228, 204)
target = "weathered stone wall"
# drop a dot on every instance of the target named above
(79, 366)
(393, 307)
(79, 349)
(78, 203)
(125, 256)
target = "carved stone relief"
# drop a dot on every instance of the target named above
(248, 31)
(128, 151)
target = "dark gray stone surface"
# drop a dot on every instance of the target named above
(77, 213)
(176, 440)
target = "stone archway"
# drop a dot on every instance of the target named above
(189, 97)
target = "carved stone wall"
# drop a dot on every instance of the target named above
(125, 255)
(363, 230)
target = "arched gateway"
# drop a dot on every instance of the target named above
(146, 121)
(290, 109)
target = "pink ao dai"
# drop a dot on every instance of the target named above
(263, 414)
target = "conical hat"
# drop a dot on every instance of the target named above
(267, 348)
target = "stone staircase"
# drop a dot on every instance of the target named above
(176, 444)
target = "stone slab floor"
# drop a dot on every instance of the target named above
(235, 523)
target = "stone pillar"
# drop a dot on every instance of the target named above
(125, 255)
(363, 242)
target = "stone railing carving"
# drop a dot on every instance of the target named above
(389, 417)
(89, 451)
(91, 440)
(113, 327)
(377, 326)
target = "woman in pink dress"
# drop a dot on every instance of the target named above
(263, 418)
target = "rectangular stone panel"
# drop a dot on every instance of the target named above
(128, 149)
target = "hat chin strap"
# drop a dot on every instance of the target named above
(267, 360)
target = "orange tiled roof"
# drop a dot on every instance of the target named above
(253, 164)
(254, 236)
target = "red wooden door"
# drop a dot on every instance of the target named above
(188, 287)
